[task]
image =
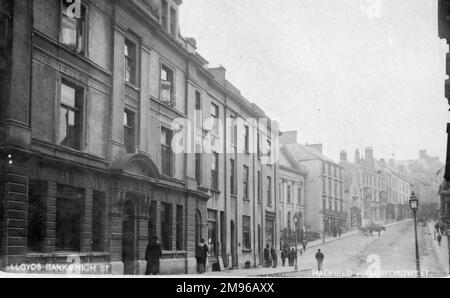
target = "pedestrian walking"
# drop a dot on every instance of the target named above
(439, 239)
(437, 227)
(267, 256)
(292, 257)
(284, 255)
(153, 253)
(201, 254)
(274, 257)
(320, 257)
(304, 244)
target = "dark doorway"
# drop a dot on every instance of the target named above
(129, 239)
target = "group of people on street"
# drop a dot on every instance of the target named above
(292, 254)
(153, 255)
(270, 257)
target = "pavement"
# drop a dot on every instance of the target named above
(442, 251)
(307, 261)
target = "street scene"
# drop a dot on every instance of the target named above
(212, 138)
(354, 255)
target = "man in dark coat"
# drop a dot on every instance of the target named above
(201, 254)
(274, 257)
(267, 256)
(152, 255)
(320, 257)
(304, 244)
(284, 255)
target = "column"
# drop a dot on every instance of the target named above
(115, 226)
(50, 217)
(15, 210)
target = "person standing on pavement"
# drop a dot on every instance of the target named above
(201, 254)
(320, 257)
(439, 239)
(152, 255)
(267, 256)
(304, 244)
(274, 257)
(437, 227)
(291, 257)
(283, 256)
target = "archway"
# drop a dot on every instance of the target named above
(129, 238)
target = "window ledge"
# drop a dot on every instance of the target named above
(66, 254)
(215, 190)
(247, 251)
(132, 86)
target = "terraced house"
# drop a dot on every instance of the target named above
(91, 99)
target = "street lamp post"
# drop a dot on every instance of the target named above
(296, 218)
(414, 204)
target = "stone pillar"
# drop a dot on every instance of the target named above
(86, 222)
(50, 218)
(158, 220)
(190, 226)
(115, 228)
(142, 241)
(15, 215)
(116, 140)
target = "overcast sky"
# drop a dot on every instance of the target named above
(345, 73)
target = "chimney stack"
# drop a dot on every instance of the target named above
(289, 137)
(392, 162)
(383, 162)
(357, 156)
(343, 155)
(423, 154)
(317, 147)
(369, 157)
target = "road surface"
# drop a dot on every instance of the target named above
(391, 255)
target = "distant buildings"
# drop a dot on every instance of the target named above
(324, 186)
(385, 187)
(292, 186)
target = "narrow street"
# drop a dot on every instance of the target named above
(395, 251)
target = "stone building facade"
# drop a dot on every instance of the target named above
(292, 187)
(324, 198)
(93, 98)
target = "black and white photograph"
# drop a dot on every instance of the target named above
(208, 140)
